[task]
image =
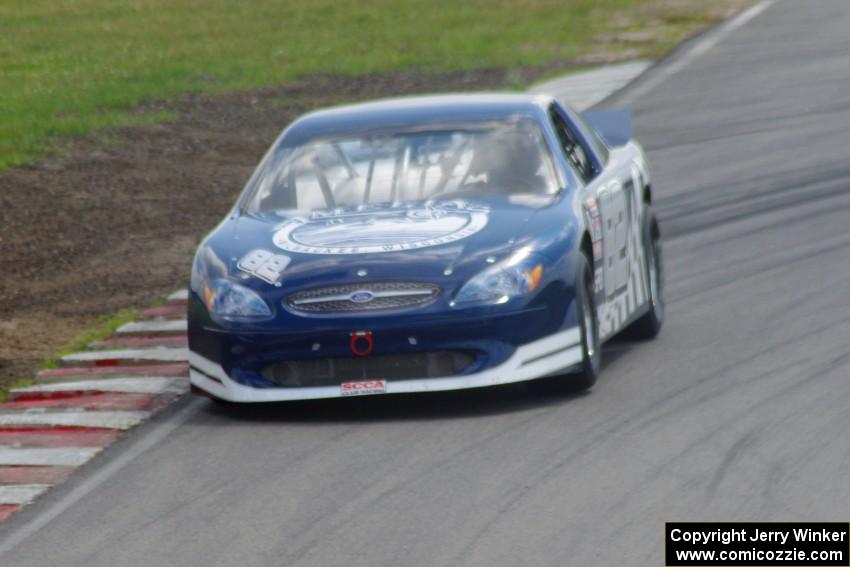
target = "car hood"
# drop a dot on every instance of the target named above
(442, 242)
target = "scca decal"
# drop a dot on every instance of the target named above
(363, 388)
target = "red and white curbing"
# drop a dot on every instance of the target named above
(71, 413)
(73, 373)
(122, 384)
(136, 342)
(162, 355)
(46, 456)
(153, 328)
(71, 417)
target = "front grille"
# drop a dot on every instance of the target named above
(335, 371)
(363, 297)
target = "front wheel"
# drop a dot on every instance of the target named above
(591, 360)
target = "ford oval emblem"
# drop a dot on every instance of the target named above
(362, 296)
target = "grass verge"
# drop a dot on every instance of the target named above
(6, 388)
(105, 327)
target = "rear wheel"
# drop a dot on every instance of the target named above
(591, 360)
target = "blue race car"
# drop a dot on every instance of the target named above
(427, 244)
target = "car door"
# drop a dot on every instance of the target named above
(609, 197)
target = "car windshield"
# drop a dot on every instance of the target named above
(484, 159)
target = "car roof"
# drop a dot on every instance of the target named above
(398, 113)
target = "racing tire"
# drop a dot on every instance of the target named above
(588, 370)
(649, 324)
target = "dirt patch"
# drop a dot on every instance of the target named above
(114, 222)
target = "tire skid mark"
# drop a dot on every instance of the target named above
(734, 129)
(738, 448)
(691, 201)
(538, 481)
(725, 370)
(697, 444)
(825, 210)
(698, 216)
(633, 423)
(710, 263)
(780, 261)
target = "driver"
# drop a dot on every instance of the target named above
(510, 160)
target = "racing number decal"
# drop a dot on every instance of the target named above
(616, 213)
(264, 265)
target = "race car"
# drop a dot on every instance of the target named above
(426, 244)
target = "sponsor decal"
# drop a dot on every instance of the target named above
(364, 388)
(265, 265)
(381, 228)
(596, 229)
(595, 220)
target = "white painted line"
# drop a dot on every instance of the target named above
(127, 385)
(583, 90)
(46, 456)
(22, 530)
(179, 295)
(74, 418)
(699, 48)
(153, 327)
(21, 493)
(161, 354)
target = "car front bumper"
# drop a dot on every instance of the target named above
(553, 354)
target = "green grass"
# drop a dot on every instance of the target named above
(68, 67)
(102, 330)
(6, 388)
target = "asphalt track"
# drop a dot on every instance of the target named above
(739, 411)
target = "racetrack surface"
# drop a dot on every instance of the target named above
(738, 411)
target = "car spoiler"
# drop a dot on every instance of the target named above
(614, 126)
